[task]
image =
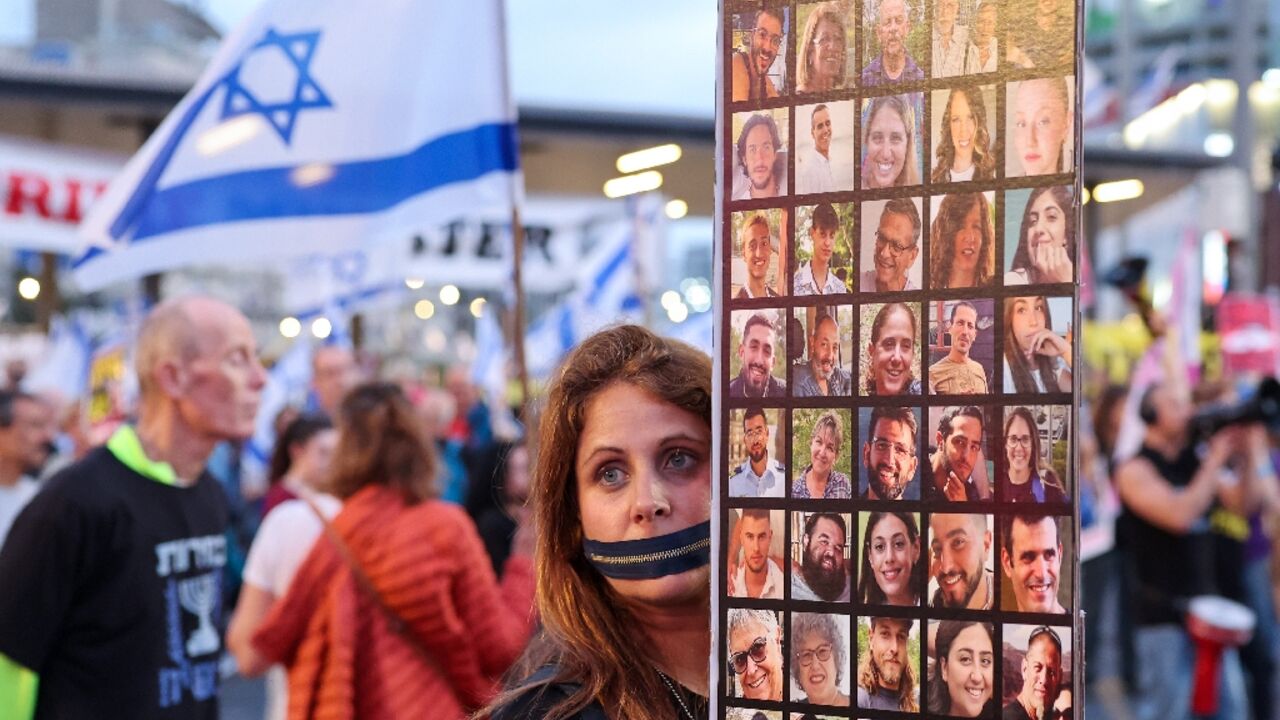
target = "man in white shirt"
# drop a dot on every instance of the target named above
(759, 475)
(813, 171)
(950, 40)
(26, 429)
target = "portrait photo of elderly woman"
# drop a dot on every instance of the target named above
(820, 659)
(962, 241)
(1040, 236)
(1039, 126)
(964, 134)
(823, 53)
(890, 149)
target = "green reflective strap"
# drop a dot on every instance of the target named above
(18, 687)
(127, 448)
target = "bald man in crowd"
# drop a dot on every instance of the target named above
(112, 574)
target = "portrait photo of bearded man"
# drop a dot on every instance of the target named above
(823, 572)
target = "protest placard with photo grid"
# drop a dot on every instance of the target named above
(896, 402)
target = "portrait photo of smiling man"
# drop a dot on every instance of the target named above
(752, 65)
(760, 347)
(756, 257)
(1031, 552)
(825, 147)
(1042, 655)
(960, 561)
(823, 570)
(889, 453)
(826, 369)
(891, 231)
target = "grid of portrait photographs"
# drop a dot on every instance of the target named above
(899, 212)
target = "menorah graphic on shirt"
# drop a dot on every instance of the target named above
(199, 595)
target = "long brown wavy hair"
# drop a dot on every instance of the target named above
(942, 238)
(984, 161)
(588, 634)
(381, 441)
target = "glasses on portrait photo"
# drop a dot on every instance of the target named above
(1021, 440)
(895, 249)
(822, 653)
(1042, 630)
(758, 652)
(883, 446)
(774, 40)
(828, 41)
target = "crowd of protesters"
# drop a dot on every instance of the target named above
(385, 569)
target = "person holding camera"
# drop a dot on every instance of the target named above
(1171, 498)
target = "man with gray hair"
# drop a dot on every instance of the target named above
(124, 550)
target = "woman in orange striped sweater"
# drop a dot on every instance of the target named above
(395, 613)
(621, 497)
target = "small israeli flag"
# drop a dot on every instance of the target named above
(320, 125)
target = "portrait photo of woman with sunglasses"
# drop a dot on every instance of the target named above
(755, 662)
(1029, 475)
(621, 497)
(820, 659)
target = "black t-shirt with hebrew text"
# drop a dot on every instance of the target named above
(111, 591)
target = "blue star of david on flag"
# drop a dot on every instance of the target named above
(297, 49)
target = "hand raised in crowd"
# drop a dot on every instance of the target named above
(1225, 445)
(1052, 263)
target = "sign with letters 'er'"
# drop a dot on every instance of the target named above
(898, 223)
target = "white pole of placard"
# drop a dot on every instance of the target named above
(897, 286)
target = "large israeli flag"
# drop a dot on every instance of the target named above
(319, 125)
